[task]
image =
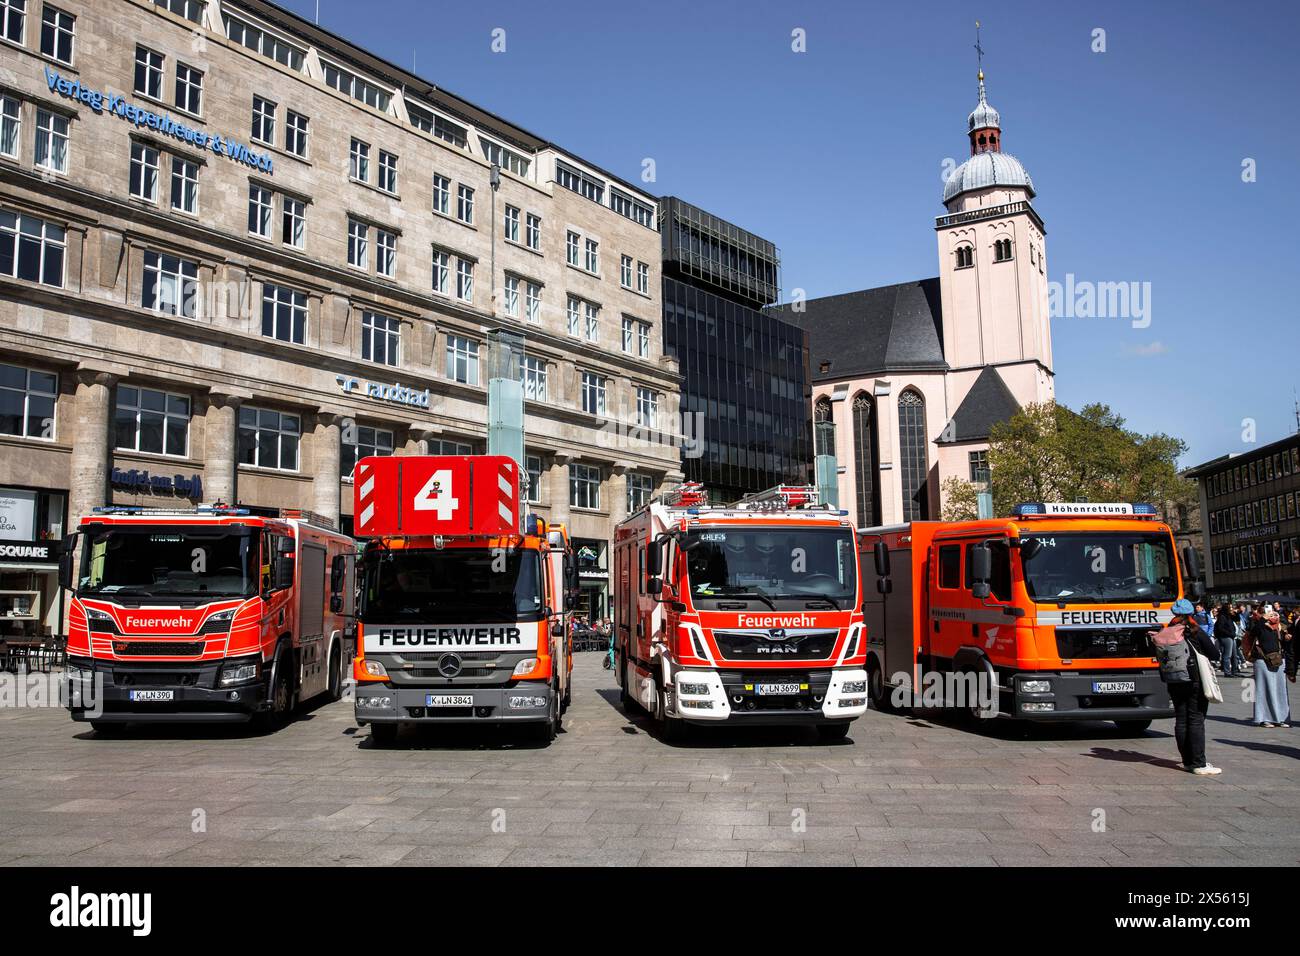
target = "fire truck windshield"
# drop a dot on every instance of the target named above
(451, 586)
(772, 565)
(1098, 567)
(168, 562)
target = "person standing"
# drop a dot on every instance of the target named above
(1272, 706)
(1225, 634)
(1177, 645)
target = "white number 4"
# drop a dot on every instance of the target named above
(436, 495)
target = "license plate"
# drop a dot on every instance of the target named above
(765, 690)
(1114, 686)
(449, 700)
(153, 695)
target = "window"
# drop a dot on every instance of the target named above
(387, 171)
(532, 375)
(640, 488)
(511, 297)
(533, 232)
(253, 38)
(533, 472)
(263, 120)
(465, 280)
(950, 566)
(189, 89)
(533, 303)
(259, 210)
(593, 255)
(593, 393)
(31, 249)
(441, 271)
(512, 223)
(358, 239)
(965, 257)
(56, 33)
(151, 421)
(647, 408)
(912, 441)
(368, 441)
(571, 248)
(385, 253)
(27, 402)
(636, 337)
(633, 209)
(643, 339)
(505, 158)
(643, 278)
(13, 20)
(191, 10)
(293, 222)
(445, 446)
(10, 125)
(148, 72)
(1001, 250)
(354, 86)
(584, 486)
(381, 338)
(170, 284)
(268, 439)
(359, 160)
(51, 141)
(979, 467)
(462, 360)
(435, 125)
(284, 313)
(574, 313)
(579, 182)
(144, 172)
(295, 133)
(629, 334)
(185, 185)
(625, 271)
(593, 322)
(866, 451)
(465, 204)
(441, 194)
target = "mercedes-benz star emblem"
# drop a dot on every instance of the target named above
(449, 665)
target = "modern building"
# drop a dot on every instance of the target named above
(914, 375)
(238, 252)
(1250, 533)
(745, 401)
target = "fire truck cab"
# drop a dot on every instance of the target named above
(746, 613)
(1050, 611)
(205, 615)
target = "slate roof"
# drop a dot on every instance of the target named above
(892, 328)
(988, 402)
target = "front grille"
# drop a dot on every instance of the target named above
(1101, 642)
(759, 646)
(158, 648)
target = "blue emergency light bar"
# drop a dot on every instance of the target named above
(1083, 509)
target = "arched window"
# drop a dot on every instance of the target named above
(912, 458)
(1001, 250)
(866, 451)
(965, 257)
(822, 411)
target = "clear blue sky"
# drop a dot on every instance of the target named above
(836, 154)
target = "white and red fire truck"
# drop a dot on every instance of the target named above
(462, 615)
(211, 615)
(748, 613)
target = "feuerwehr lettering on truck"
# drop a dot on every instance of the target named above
(1136, 617)
(417, 637)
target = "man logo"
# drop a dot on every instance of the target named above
(449, 665)
(776, 634)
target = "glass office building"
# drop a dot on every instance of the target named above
(745, 393)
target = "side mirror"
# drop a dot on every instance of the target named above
(655, 586)
(654, 558)
(885, 585)
(981, 570)
(881, 555)
(336, 604)
(65, 561)
(557, 630)
(338, 572)
(1192, 563)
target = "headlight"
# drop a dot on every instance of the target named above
(375, 703)
(95, 614)
(1035, 686)
(1038, 707)
(694, 690)
(222, 616)
(524, 702)
(526, 666)
(240, 672)
(853, 687)
(373, 668)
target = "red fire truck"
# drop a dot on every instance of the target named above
(212, 615)
(1045, 615)
(747, 613)
(462, 616)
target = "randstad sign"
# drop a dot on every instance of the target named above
(142, 118)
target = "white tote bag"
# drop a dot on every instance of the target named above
(1209, 683)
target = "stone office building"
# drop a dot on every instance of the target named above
(237, 253)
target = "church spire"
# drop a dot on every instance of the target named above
(984, 124)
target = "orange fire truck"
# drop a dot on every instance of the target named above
(748, 613)
(211, 615)
(1044, 616)
(462, 616)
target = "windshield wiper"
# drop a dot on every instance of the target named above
(810, 602)
(755, 593)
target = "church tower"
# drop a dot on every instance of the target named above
(993, 268)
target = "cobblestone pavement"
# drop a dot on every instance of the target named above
(900, 791)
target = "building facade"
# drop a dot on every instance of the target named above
(745, 400)
(237, 253)
(1250, 528)
(914, 375)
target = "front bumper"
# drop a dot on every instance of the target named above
(102, 691)
(1073, 697)
(710, 696)
(381, 703)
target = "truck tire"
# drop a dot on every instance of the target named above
(624, 698)
(547, 730)
(876, 689)
(1133, 727)
(383, 735)
(335, 688)
(832, 732)
(281, 695)
(671, 729)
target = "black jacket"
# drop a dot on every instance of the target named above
(1205, 646)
